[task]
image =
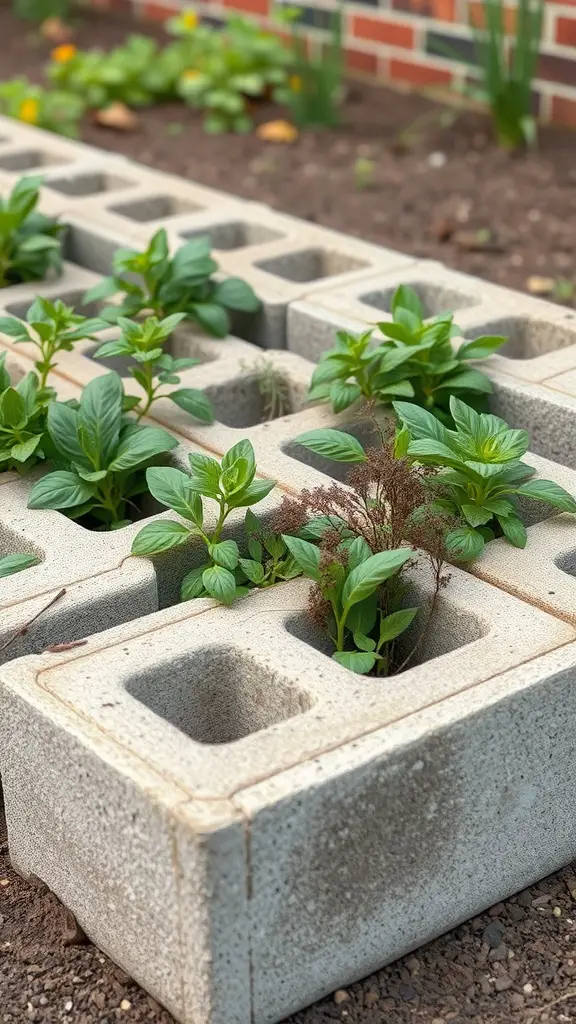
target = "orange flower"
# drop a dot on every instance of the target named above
(190, 19)
(29, 110)
(62, 54)
(277, 131)
(295, 83)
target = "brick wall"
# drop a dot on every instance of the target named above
(406, 41)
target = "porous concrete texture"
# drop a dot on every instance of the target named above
(155, 720)
(240, 822)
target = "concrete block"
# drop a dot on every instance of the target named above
(196, 770)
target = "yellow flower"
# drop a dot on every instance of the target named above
(190, 20)
(295, 83)
(190, 75)
(28, 111)
(62, 54)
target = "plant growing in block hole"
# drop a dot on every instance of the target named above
(100, 455)
(416, 361)
(231, 485)
(29, 241)
(52, 327)
(155, 368)
(480, 474)
(22, 421)
(180, 284)
(353, 543)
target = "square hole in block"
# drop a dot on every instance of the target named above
(89, 249)
(155, 207)
(234, 235)
(449, 628)
(74, 298)
(257, 397)
(567, 562)
(89, 183)
(26, 159)
(527, 339)
(218, 695)
(11, 543)
(364, 431)
(311, 265)
(435, 299)
(180, 345)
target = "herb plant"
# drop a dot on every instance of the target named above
(230, 484)
(180, 284)
(416, 361)
(273, 386)
(315, 89)
(481, 474)
(55, 110)
(100, 456)
(9, 564)
(22, 421)
(155, 368)
(52, 327)
(29, 241)
(360, 552)
(270, 560)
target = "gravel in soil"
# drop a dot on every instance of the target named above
(444, 193)
(516, 962)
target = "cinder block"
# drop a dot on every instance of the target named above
(180, 875)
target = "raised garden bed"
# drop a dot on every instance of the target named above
(240, 822)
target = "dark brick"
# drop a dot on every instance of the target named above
(557, 69)
(450, 47)
(316, 18)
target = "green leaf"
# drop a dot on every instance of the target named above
(253, 570)
(21, 452)
(237, 294)
(205, 474)
(194, 402)
(213, 318)
(362, 616)
(514, 530)
(467, 380)
(343, 395)
(363, 642)
(62, 422)
(367, 577)
(396, 623)
(12, 409)
(476, 516)
(99, 417)
(225, 553)
(13, 328)
(10, 564)
(219, 584)
(406, 298)
(161, 535)
(251, 495)
(62, 489)
(192, 585)
(358, 552)
(420, 423)
(547, 490)
(305, 554)
(465, 543)
(139, 446)
(171, 487)
(360, 662)
(481, 348)
(333, 444)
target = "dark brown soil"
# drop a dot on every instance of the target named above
(517, 962)
(524, 207)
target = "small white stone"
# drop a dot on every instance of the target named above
(437, 159)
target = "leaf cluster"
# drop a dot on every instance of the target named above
(29, 241)
(22, 421)
(55, 110)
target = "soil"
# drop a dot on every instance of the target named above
(440, 192)
(517, 962)
(444, 193)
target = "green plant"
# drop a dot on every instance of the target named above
(315, 89)
(231, 485)
(10, 564)
(100, 456)
(481, 474)
(55, 110)
(166, 285)
(385, 507)
(227, 68)
(40, 10)
(52, 327)
(154, 367)
(270, 560)
(416, 360)
(503, 70)
(364, 170)
(29, 241)
(22, 421)
(273, 385)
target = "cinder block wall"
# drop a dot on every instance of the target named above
(405, 41)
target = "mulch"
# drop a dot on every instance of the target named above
(437, 192)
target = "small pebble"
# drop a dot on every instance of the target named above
(517, 1000)
(125, 1004)
(437, 159)
(503, 984)
(341, 996)
(528, 988)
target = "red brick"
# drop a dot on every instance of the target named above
(442, 10)
(564, 111)
(260, 7)
(365, 63)
(418, 74)
(566, 31)
(157, 12)
(476, 16)
(377, 30)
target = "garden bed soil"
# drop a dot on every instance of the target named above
(517, 962)
(450, 194)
